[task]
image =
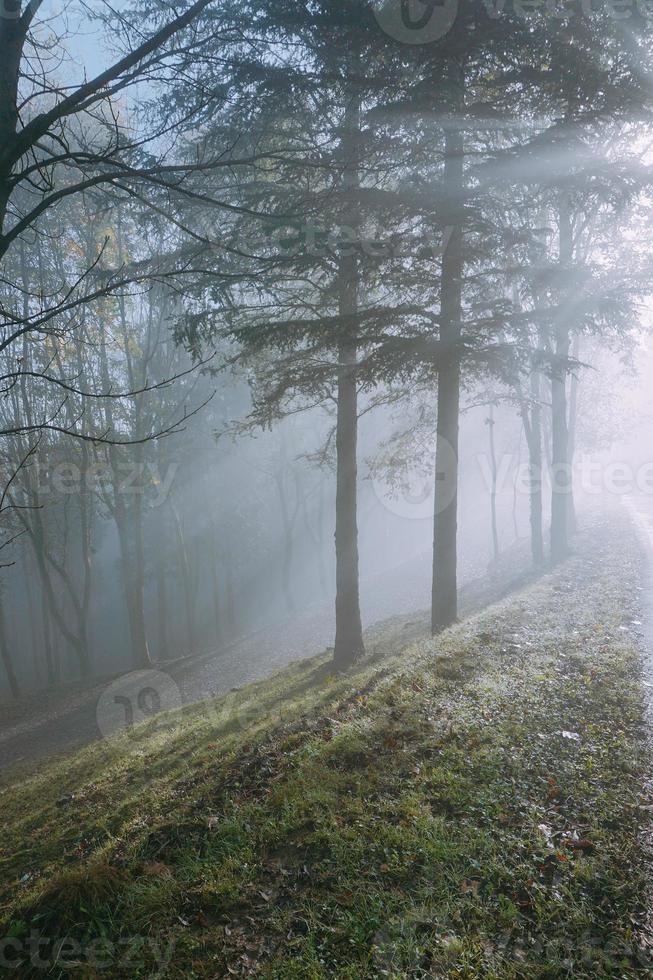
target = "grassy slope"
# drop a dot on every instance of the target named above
(423, 817)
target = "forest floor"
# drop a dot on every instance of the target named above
(64, 719)
(475, 805)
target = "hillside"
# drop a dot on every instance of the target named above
(470, 806)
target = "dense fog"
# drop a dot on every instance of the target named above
(237, 529)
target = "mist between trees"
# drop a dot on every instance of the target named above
(263, 266)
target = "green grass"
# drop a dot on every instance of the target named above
(423, 817)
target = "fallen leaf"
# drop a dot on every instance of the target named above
(345, 898)
(470, 886)
(157, 869)
(579, 845)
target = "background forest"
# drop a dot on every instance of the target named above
(268, 274)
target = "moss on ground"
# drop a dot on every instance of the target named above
(471, 806)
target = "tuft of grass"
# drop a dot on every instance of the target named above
(468, 806)
(66, 901)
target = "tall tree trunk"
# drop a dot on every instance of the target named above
(531, 416)
(131, 560)
(161, 559)
(140, 651)
(5, 656)
(85, 512)
(444, 607)
(51, 661)
(45, 561)
(131, 555)
(349, 630)
(12, 39)
(128, 563)
(534, 438)
(134, 514)
(561, 470)
(573, 418)
(162, 611)
(215, 582)
(78, 593)
(187, 588)
(349, 645)
(515, 499)
(33, 623)
(232, 617)
(493, 490)
(139, 636)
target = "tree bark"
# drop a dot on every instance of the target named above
(51, 660)
(215, 581)
(44, 561)
(493, 490)
(185, 580)
(134, 514)
(5, 656)
(12, 39)
(162, 611)
(232, 614)
(444, 607)
(33, 622)
(349, 630)
(560, 463)
(139, 632)
(573, 418)
(349, 645)
(128, 520)
(535, 469)
(74, 632)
